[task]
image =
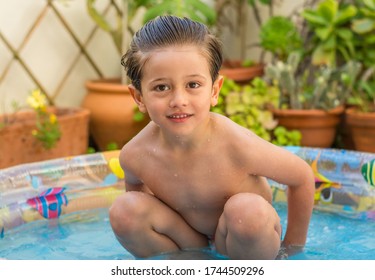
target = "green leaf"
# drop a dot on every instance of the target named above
(247, 97)
(323, 33)
(313, 18)
(155, 11)
(370, 39)
(251, 2)
(202, 8)
(344, 52)
(266, 2)
(344, 33)
(328, 10)
(90, 150)
(112, 146)
(247, 63)
(345, 15)
(320, 56)
(362, 26)
(350, 47)
(369, 4)
(330, 44)
(96, 16)
(138, 116)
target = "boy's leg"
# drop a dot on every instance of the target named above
(249, 228)
(145, 226)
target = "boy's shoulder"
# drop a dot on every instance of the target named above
(225, 125)
(237, 137)
(139, 141)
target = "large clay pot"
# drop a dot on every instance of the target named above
(318, 127)
(18, 145)
(112, 109)
(361, 127)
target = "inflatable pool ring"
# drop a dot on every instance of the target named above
(48, 189)
(344, 183)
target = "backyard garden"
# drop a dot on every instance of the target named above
(311, 82)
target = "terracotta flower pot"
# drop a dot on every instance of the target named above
(18, 145)
(361, 127)
(318, 127)
(112, 109)
(234, 71)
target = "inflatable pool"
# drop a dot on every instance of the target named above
(344, 181)
(49, 189)
(54, 189)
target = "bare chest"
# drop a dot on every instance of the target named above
(198, 187)
(198, 184)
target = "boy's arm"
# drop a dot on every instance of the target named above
(300, 205)
(286, 168)
(132, 182)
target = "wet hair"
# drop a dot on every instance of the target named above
(165, 31)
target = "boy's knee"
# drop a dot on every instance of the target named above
(125, 211)
(247, 213)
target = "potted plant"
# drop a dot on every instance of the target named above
(280, 36)
(360, 118)
(114, 116)
(345, 30)
(330, 38)
(247, 105)
(311, 99)
(232, 18)
(42, 132)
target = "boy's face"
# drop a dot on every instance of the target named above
(177, 89)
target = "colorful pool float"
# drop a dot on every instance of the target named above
(45, 190)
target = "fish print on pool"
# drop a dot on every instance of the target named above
(49, 203)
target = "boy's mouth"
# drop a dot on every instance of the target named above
(180, 116)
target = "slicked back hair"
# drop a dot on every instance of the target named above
(166, 31)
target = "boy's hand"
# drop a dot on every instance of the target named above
(288, 250)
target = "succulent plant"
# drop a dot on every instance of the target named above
(316, 87)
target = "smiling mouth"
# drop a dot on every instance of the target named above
(179, 116)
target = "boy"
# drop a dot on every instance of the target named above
(195, 178)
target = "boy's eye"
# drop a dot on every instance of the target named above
(193, 85)
(161, 88)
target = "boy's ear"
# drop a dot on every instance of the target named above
(138, 98)
(216, 90)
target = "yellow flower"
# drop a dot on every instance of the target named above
(37, 100)
(52, 118)
(47, 127)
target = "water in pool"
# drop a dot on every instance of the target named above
(87, 235)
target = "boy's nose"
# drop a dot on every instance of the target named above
(179, 99)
